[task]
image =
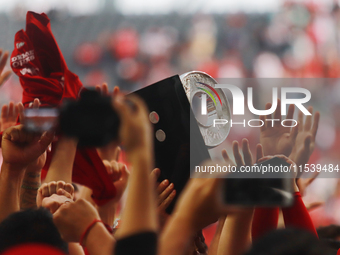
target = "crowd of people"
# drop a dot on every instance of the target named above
(43, 210)
(49, 216)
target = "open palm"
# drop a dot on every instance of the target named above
(275, 138)
(305, 140)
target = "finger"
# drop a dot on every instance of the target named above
(3, 61)
(116, 170)
(155, 174)
(162, 186)
(98, 88)
(10, 110)
(300, 121)
(105, 89)
(237, 154)
(21, 111)
(60, 185)
(314, 205)
(167, 201)
(12, 134)
(125, 174)
(45, 140)
(294, 132)
(259, 152)
(315, 123)
(44, 190)
(62, 192)
(248, 158)
(264, 159)
(165, 193)
(290, 115)
(36, 103)
(4, 77)
(311, 179)
(225, 155)
(263, 119)
(117, 153)
(308, 122)
(69, 188)
(108, 166)
(52, 188)
(15, 112)
(115, 91)
(277, 113)
(267, 107)
(4, 111)
(50, 204)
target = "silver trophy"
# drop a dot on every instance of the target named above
(200, 87)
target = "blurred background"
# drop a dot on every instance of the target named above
(133, 43)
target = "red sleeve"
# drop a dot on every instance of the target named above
(297, 215)
(338, 253)
(264, 221)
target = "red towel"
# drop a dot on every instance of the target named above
(43, 74)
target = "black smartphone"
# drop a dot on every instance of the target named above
(269, 189)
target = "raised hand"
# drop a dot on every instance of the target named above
(20, 148)
(303, 183)
(9, 115)
(135, 131)
(32, 178)
(73, 218)
(275, 138)
(305, 140)
(54, 188)
(119, 175)
(166, 194)
(103, 89)
(247, 158)
(3, 60)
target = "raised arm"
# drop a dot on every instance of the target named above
(139, 214)
(62, 160)
(236, 232)
(19, 149)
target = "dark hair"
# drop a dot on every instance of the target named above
(30, 226)
(329, 232)
(289, 242)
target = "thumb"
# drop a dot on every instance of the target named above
(45, 140)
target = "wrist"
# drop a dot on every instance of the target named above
(185, 221)
(87, 231)
(33, 168)
(141, 157)
(107, 213)
(13, 170)
(96, 234)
